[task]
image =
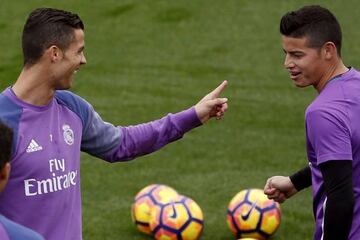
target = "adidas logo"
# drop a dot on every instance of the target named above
(33, 147)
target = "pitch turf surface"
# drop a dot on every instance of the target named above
(148, 58)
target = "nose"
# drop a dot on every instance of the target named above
(288, 62)
(83, 59)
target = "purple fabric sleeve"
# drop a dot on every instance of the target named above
(113, 144)
(148, 137)
(3, 233)
(13, 231)
(329, 135)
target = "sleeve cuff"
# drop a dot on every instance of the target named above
(187, 120)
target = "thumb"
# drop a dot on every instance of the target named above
(269, 191)
(268, 188)
(217, 101)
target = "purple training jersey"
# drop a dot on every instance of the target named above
(43, 192)
(333, 133)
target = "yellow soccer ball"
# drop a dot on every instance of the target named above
(252, 215)
(146, 199)
(177, 220)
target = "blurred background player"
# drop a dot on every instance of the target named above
(10, 230)
(311, 38)
(51, 126)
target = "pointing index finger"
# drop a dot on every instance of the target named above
(216, 92)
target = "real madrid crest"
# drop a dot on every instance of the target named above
(68, 134)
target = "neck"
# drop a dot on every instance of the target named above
(33, 86)
(333, 70)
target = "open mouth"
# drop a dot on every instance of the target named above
(294, 75)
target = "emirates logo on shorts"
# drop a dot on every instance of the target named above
(68, 134)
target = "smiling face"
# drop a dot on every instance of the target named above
(306, 65)
(68, 61)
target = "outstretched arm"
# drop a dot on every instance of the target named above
(124, 143)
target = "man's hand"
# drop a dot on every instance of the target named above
(279, 188)
(211, 105)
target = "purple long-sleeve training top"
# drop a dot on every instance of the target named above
(43, 192)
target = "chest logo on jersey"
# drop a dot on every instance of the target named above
(68, 134)
(33, 147)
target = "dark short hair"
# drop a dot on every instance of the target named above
(46, 27)
(316, 23)
(6, 135)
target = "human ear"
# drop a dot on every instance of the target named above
(329, 50)
(54, 53)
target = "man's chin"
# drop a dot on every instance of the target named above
(301, 85)
(64, 87)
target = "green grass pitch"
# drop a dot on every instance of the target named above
(147, 58)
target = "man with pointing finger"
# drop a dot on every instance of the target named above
(52, 125)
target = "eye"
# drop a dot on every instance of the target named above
(81, 50)
(298, 54)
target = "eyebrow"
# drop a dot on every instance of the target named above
(292, 52)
